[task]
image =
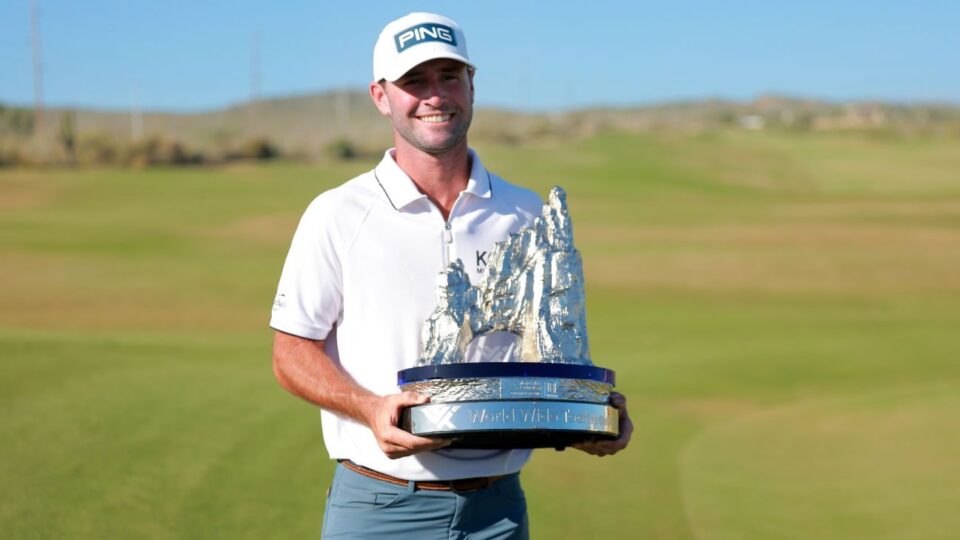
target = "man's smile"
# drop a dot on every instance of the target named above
(435, 118)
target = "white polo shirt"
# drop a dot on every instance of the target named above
(362, 274)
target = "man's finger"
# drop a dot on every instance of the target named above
(408, 399)
(591, 448)
(618, 400)
(409, 442)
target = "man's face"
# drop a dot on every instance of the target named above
(430, 107)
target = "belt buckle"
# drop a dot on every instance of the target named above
(475, 484)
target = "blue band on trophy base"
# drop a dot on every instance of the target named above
(505, 369)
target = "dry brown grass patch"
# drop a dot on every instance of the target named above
(845, 259)
(21, 191)
(270, 230)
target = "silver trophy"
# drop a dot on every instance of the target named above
(553, 396)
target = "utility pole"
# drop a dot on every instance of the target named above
(341, 100)
(136, 116)
(253, 115)
(37, 70)
(523, 81)
(255, 67)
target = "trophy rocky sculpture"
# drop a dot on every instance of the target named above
(553, 396)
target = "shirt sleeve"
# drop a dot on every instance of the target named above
(309, 297)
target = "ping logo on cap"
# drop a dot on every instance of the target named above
(423, 33)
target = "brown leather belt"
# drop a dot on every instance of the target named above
(463, 485)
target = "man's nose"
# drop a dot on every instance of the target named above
(435, 92)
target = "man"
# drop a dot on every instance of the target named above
(359, 282)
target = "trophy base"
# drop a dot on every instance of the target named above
(510, 424)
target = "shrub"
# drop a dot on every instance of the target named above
(158, 151)
(10, 157)
(342, 148)
(97, 149)
(16, 121)
(259, 148)
(68, 135)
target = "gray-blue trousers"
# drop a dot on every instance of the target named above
(362, 507)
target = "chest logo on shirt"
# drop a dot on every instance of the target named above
(481, 262)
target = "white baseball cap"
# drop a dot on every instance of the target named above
(414, 39)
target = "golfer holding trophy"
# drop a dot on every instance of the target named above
(435, 314)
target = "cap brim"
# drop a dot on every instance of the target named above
(395, 72)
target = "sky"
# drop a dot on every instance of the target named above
(197, 55)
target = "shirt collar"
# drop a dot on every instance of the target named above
(479, 182)
(401, 190)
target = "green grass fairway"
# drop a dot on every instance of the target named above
(878, 465)
(781, 310)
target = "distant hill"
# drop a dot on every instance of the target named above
(306, 125)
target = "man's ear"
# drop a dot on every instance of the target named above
(470, 73)
(378, 93)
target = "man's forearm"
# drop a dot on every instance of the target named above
(305, 370)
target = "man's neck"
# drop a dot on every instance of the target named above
(440, 177)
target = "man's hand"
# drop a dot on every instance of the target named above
(608, 448)
(395, 442)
